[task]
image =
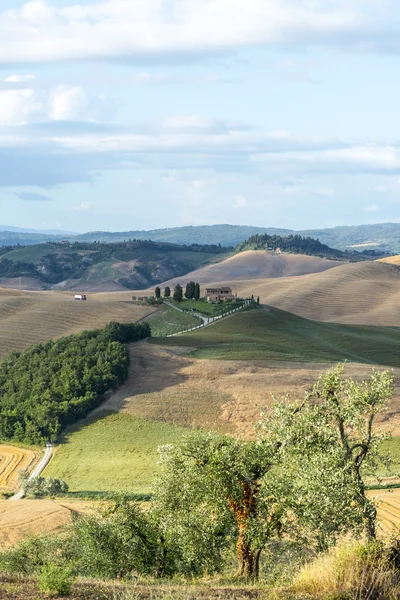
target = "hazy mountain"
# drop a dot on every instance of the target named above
(384, 237)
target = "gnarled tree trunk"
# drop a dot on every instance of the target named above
(248, 558)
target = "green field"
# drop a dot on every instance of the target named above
(204, 307)
(111, 452)
(272, 334)
(167, 320)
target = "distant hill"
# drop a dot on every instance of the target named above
(295, 244)
(226, 235)
(381, 238)
(257, 264)
(99, 266)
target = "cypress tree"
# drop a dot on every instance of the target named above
(178, 293)
(167, 292)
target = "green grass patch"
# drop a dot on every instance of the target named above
(205, 308)
(111, 452)
(271, 334)
(167, 320)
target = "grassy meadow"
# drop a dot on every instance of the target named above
(110, 452)
(204, 307)
(271, 334)
(167, 320)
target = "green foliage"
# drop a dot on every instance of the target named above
(296, 244)
(55, 580)
(328, 444)
(190, 290)
(51, 385)
(167, 292)
(157, 293)
(41, 487)
(214, 488)
(197, 291)
(178, 293)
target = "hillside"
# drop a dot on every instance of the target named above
(31, 317)
(361, 293)
(391, 260)
(101, 267)
(257, 264)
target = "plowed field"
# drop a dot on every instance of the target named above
(388, 502)
(12, 460)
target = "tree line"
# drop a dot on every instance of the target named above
(51, 385)
(296, 244)
(192, 292)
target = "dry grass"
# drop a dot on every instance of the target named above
(257, 264)
(12, 460)
(21, 518)
(350, 571)
(167, 384)
(392, 260)
(31, 317)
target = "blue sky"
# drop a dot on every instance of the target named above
(139, 114)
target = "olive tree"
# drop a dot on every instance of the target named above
(328, 445)
(216, 488)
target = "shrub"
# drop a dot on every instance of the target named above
(350, 571)
(55, 579)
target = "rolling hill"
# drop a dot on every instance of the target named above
(359, 293)
(391, 260)
(31, 317)
(257, 264)
(100, 267)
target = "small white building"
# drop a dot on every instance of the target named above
(80, 297)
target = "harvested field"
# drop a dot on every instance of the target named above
(168, 384)
(361, 293)
(21, 518)
(31, 317)
(388, 502)
(12, 460)
(257, 264)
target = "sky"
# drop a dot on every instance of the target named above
(140, 114)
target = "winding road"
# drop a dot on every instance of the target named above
(37, 470)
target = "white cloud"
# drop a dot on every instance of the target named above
(18, 107)
(371, 208)
(19, 78)
(67, 103)
(43, 32)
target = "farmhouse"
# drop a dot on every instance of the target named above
(220, 294)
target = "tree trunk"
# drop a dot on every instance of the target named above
(370, 520)
(247, 559)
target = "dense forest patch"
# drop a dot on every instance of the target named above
(296, 244)
(51, 385)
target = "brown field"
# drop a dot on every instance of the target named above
(166, 384)
(360, 293)
(31, 317)
(388, 502)
(12, 460)
(21, 518)
(257, 264)
(392, 260)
